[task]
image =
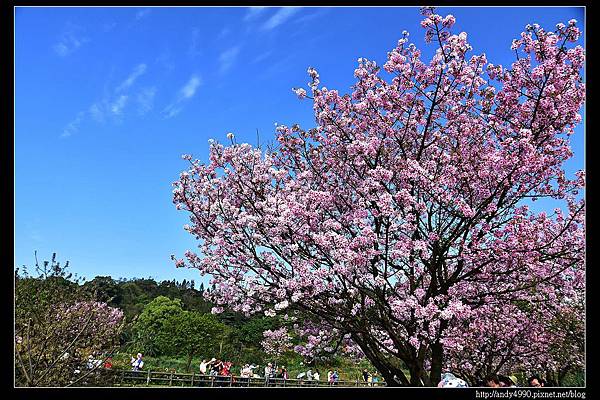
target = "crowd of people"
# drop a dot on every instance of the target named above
(220, 368)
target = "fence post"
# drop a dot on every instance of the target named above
(148, 379)
(231, 380)
(212, 381)
(171, 379)
(193, 375)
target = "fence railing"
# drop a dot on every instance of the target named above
(123, 377)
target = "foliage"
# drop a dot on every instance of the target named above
(150, 322)
(189, 333)
(402, 217)
(57, 328)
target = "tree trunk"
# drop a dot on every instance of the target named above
(189, 361)
(437, 360)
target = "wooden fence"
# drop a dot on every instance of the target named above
(123, 377)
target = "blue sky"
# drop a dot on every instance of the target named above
(108, 99)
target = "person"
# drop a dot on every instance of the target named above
(506, 381)
(205, 364)
(252, 367)
(225, 368)
(91, 362)
(316, 375)
(284, 373)
(268, 370)
(375, 380)
(492, 381)
(366, 375)
(329, 374)
(309, 375)
(137, 363)
(535, 381)
(216, 368)
(245, 371)
(450, 381)
(335, 377)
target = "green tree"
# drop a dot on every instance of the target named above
(151, 321)
(189, 334)
(105, 289)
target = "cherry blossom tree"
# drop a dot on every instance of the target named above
(56, 345)
(276, 342)
(402, 219)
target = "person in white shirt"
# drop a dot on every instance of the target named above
(204, 365)
(137, 363)
(268, 370)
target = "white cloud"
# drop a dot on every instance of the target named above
(165, 60)
(189, 89)
(194, 49)
(171, 111)
(97, 112)
(262, 56)
(138, 71)
(73, 126)
(253, 13)
(118, 105)
(186, 92)
(227, 58)
(280, 17)
(224, 32)
(70, 40)
(142, 14)
(145, 100)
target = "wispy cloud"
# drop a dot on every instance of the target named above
(194, 48)
(186, 92)
(73, 126)
(145, 100)
(227, 58)
(313, 15)
(97, 112)
(165, 60)
(138, 71)
(118, 105)
(282, 15)
(224, 32)
(142, 14)
(112, 106)
(189, 90)
(70, 40)
(253, 13)
(262, 56)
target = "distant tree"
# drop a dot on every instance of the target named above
(106, 289)
(189, 333)
(151, 321)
